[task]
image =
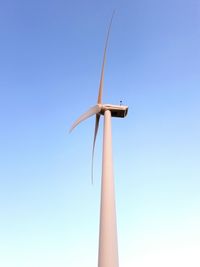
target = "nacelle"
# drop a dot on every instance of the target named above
(116, 110)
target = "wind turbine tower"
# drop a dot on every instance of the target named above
(108, 245)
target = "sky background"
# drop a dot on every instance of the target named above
(50, 61)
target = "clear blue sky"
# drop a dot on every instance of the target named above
(50, 60)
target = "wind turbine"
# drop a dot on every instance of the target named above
(108, 245)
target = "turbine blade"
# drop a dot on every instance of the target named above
(94, 142)
(99, 100)
(92, 111)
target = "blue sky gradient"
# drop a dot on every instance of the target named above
(50, 61)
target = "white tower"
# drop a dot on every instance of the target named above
(108, 246)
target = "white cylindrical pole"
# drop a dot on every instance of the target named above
(108, 248)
